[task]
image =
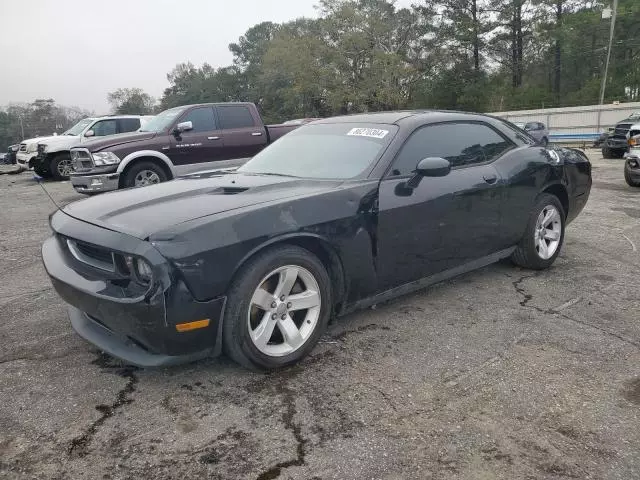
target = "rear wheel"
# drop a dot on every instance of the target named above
(543, 237)
(142, 174)
(277, 308)
(61, 166)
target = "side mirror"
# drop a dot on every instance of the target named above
(183, 127)
(433, 167)
(429, 167)
(89, 133)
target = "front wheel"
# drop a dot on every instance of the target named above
(632, 182)
(277, 308)
(142, 174)
(61, 166)
(543, 236)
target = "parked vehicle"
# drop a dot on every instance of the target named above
(178, 141)
(27, 153)
(632, 163)
(53, 157)
(603, 137)
(300, 121)
(615, 145)
(340, 214)
(537, 130)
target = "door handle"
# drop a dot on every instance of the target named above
(256, 134)
(213, 138)
(490, 178)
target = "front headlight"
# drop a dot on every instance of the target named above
(140, 269)
(105, 158)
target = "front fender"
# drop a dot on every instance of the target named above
(146, 153)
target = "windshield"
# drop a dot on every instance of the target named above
(163, 120)
(79, 127)
(331, 151)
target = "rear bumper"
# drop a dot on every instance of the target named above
(105, 182)
(616, 143)
(137, 328)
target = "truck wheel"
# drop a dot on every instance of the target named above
(61, 166)
(606, 153)
(142, 174)
(277, 308)
(41, 171)
(543, 236)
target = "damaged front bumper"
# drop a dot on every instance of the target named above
(136, 324)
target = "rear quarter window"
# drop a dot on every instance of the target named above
(235, 116)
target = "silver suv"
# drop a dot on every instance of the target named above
(536, 129)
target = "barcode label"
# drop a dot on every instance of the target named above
(368, 132)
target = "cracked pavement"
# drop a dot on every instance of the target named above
(502, 373)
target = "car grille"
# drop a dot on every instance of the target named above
(92, 255)
(81, 160)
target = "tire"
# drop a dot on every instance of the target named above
(243, 317)
(630, 181)
(61, 166)
(135, 175)
(528, 253)
(606, 153)
(42, 172)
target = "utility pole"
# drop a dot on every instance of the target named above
(606, 65)
(21, 126)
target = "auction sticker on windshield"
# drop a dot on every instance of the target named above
(368, 132)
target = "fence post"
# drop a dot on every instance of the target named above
(598, 122)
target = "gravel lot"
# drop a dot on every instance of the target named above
(500, 374)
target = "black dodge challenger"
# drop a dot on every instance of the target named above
(341, 214)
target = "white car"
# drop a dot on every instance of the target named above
(49, 156)
(27, 152)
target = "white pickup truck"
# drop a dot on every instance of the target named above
(49, 156)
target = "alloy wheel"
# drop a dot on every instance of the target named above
(146, 177)
(284, 310)
(65, 167)
(548, 232)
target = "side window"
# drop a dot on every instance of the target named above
(201, 118)
(541, 126)
(531, 126)
(129, 124)
(235, 116)
(104, 127)
(461, 143)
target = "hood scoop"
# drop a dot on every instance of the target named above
(228, 190)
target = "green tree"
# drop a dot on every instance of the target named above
(133, 101)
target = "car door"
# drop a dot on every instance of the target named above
(203, 143)
(244, 135)
(443, 222)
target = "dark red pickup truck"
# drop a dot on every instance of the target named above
(177, 141)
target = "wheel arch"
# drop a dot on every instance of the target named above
(560, 192)
(148, 155)
(321, 248)
(123, 168)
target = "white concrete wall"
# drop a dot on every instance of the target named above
(592, 119)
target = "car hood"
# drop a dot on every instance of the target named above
(141, 212)
(115, 140)
(37, 139)
(60, 141)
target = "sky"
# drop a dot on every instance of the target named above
(77, 51)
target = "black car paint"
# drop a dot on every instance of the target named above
(379, 237)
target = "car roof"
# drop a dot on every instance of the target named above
(405, 116)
